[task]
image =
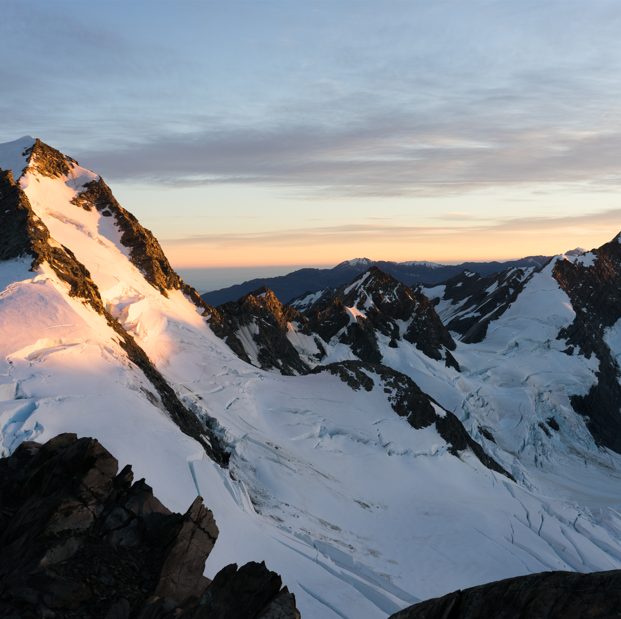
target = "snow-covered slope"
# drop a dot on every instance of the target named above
(328, 478)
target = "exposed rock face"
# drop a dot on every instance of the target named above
(261, 321)
(471, 302)
(407, 400)
(375, 302)
(549, 595)
(22, 233)
(305, 302)
(78, 539)
(595, 293)
(48, 161)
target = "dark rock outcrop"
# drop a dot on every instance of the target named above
(77, 539)
(595, 294)
(267, 321)
(22, 233)
(48, 161)
(549, 595)
(476, 301)
(379, 301)
(409, 401)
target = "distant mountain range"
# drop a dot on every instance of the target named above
(304, 281)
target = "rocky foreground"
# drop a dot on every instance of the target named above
(80, 539)
(549, 595)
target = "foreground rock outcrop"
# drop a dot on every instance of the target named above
(549, 595)
(79, 539)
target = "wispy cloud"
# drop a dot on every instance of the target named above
(359, 99)
(608, 221)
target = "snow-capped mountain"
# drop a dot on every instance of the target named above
(363, 450)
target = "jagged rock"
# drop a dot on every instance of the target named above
(261, 317)
(549, 595)
(77, 537)
(471, 302)
(409, 401)
(373, 303)
(182, 574)
(595, 294)
(48, 161)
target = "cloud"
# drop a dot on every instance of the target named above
(364, 100)
(400, 156)
(607, 221)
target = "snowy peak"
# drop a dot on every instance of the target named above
(47, 228)
(358, 264)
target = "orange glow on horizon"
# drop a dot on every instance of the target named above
(475, 246)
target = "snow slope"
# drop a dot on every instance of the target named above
(361, 514)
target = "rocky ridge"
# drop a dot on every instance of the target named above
(595, 297)
(549, 595)
(261, 324)
(375, 302)
(22, 233)
(79, 539)
(468, 302)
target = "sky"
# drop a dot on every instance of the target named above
(249, 133)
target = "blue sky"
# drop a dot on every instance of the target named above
(298, 132)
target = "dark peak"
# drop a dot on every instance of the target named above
(260, 293)
(48, 161)
(375, 288)
(262, 317)
(263, 301)
(373, 302)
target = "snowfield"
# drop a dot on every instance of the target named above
(360, 514)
